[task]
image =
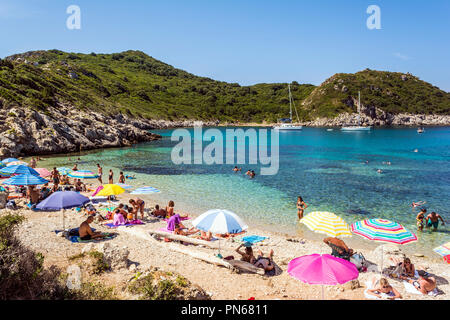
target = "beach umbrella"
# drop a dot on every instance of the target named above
(2, 165)
(220, 221)
(4, 174)
(19, 169)
(62, 200)
(327, 223)
(447, 258)
(443, 250)
(323, 269)
(43, 172)
(25, 180)
(17, 163)
(64, 171)
(110, 190)
(384, 231)
(83, 174)
(8, 160)
(145, 190)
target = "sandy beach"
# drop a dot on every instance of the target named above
(37, 233)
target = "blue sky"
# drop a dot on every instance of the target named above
(245, 41)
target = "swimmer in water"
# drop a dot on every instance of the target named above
(380, 171)
(416, 150)
(418, 204)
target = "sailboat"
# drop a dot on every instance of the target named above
(358, 127)
(289, 125)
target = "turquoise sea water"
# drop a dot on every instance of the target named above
(326, 168)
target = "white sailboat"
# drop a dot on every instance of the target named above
(359, 127)
(289, 126)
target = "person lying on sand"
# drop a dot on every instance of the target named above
(157, 212)
(265, 263)
(179, 230)
(86, 232)
(382, 288)
(405, 270)
(424, 284)
(339, 248)
(433, 220)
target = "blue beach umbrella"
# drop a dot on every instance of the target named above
(220, 221)
(25, 180)
(2, 165)
(19, 169)
(145, 190)
(63, 200)
(8, 160)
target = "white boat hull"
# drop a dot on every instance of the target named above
(293, 128)
(356, 128)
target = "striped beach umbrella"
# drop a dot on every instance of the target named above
(64, 171)
(83, 174)
(20, 169)
(220, 221)
(17, 163)
(4, 174)
(327, 223)
(2, 165)
(383, 230)
(25, 180)
(8, 160)
(443, 250)
(145, 190)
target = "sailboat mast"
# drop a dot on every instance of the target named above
(290, 102)
(359, 108)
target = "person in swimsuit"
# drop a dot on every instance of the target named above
(265, 263)
(75, 167)
(433, 220)
(236, 169)
(424, 284)
(110, 177)
(100, 173)
(157, 212)
(33, 163)
(407, 269)
(179, 229)
(138, 205)
(420, 219)
(55, 177)
(121, 177)
(382, 286)
(170, 209)
(301, 206)
(343, 251)
(246, 255)
(86, 232)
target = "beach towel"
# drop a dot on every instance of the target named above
(130, 223)
(253, 239)
(409, 287)
(77, 239)
(165, 230)
(176, 219)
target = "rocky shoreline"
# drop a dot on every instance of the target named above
(65, 129)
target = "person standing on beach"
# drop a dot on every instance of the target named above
(55, 177)
(301, 206)
(33, 163)
(100, 173)
(110, 177)
(121, 177)
(420, 219)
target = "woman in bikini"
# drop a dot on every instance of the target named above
(420, 219)
(407, 269)
(301, 206)
(381, 287)
(170, 209)
(264, 262)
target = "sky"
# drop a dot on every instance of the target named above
(245, 41)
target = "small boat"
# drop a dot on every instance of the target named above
(420, 130)
(288, 125)
(359, 127)
(330, 129)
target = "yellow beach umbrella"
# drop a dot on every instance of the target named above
(110, 190)
(327, 223)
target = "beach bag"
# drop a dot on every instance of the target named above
(359, 261)
(11, 204)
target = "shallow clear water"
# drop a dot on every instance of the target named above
(326, 168)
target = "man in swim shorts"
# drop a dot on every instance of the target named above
(433, 220)
(86, 232)
(425, 284)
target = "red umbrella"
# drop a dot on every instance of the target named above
(447, 258)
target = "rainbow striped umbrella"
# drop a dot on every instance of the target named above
(83, 174)
(4, 174)
(327, 223)
(383, 230)
(443, 250)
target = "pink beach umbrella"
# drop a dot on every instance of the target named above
(323, 269)
(44, 173)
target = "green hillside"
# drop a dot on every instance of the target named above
(133, 82)
(390, 91)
